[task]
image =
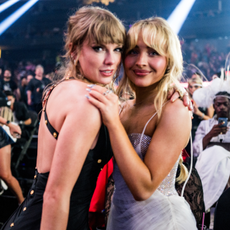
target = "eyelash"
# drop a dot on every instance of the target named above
(96, 48)
(152, 53)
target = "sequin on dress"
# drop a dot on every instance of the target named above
(163, 210)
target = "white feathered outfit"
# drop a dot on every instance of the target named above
(213, 164)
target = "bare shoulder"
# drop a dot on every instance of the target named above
(70, 98)
(176, 108)
(176, 114)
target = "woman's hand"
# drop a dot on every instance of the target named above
(14, 129)
(179, 92)
(106, 101)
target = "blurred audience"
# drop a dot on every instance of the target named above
(8, 84)
(35, 89)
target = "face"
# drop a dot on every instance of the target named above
(144, 66)
(99, 63)
(222, 106)
(192, 88)
(195, 76)
(11, 98)
(7, 74)
(39, 71)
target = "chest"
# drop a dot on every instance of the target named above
(134, 120)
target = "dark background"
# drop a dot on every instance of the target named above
(39, 32)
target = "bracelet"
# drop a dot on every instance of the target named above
(202, 116)
(7, 122)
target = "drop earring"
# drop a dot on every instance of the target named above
(75, 62)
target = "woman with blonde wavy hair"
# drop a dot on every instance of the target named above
(73, 143)
(148, 138)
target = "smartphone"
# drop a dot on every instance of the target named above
(223, 121)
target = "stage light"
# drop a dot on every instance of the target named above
(15, 16)
(179, 15)
(7, 4)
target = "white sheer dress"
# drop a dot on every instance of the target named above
(164, 210)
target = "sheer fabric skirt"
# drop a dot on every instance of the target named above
(159, 212)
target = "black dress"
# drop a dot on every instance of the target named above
(28, 214)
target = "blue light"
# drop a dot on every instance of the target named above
(7, 4)
(16, 15)
(178, 16)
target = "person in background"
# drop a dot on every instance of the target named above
(19, 109)
(7, 84)
(5, 158)
(212, 148)
(23, 88)
(199, 113)
(35, 89)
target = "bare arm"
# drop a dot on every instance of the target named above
(28, 121)
(13, 128)
(79, 130)
(143, 178)
(170, 136)
(29, 97)
(215, 131)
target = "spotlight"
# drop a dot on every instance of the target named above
(178, 16)
(16, 15)
(7, 4)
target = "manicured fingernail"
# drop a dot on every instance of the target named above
(173, 99)
(88, 90)
(87, 96)
(91, 86)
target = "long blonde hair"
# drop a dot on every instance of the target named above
(157, 34)
(92, 24)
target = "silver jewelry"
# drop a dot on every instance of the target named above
(75, 62)
(107, 92)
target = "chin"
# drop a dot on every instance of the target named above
(105, 81)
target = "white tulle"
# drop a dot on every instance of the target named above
(164, 210)
(158, 212)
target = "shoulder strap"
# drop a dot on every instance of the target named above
(52, 130)
(143, 132)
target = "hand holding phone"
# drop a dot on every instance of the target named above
(223, 121)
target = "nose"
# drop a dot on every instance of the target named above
(141, 60)
(222, 107)
(109, 58)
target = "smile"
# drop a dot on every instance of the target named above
(107, 72)
(141, 72)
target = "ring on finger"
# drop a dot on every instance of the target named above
(107, 92)
(180, 92)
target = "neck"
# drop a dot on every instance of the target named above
(38, 77)
(6, 79)
(145, 95)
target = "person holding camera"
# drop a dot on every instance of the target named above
(212, 146)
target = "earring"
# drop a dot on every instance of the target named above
(75, 62)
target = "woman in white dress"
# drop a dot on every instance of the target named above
(150, 134)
